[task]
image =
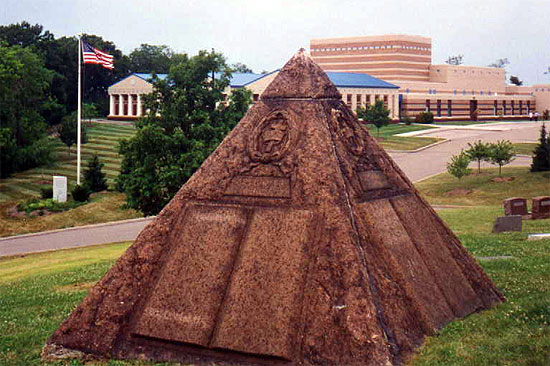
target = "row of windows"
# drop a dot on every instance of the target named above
(474, 71)
(542, 89)
(370, 48)
(463, 92)
(519, 107)
(358, 99)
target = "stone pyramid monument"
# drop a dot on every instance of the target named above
(298, 242)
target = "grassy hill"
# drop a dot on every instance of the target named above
(102, 140)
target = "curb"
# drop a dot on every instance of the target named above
(149, 218)
(420, 148)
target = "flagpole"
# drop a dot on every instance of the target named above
(79, 111)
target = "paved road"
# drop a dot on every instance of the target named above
(417, 166)
(431, 161)
(74, 237)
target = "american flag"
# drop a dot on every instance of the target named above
(95, 56)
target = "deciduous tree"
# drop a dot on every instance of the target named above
(377, 114)
(458, 166)
(479, 151)
(501, 153)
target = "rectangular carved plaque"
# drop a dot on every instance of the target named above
(188, 294)
(257, 186)
(264, 297)
(373, 179)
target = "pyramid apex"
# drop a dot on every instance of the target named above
(301, 77)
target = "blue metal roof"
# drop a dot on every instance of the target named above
(340, 79)
(149, 77)
(357, 80)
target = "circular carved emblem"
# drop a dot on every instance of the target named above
(271, 138)
(349, 132)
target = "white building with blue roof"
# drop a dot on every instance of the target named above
(357, 89)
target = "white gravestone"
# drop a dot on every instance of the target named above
(60, 189)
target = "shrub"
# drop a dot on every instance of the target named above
(47, 204)
(94, 178)
(46, 192)
(458, 166)
(406, 119)
(424, 117)
(81, 193)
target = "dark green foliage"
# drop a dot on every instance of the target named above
(188, 120)
(479, 151)
(47, 204)
(240, 67)
(80, 193)
(94, 178)
(546, 115)
(377, 114)
(24, 82)
(46, 192)
(151, 59)
(68, 131)
(541, 155)
(458, 166)
(501, 153)
(424, 117)
(515, 80)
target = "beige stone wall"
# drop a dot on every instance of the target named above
(542, 95)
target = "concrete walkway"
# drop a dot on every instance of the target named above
(428, 162)
(111, 232)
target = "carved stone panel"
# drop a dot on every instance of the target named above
(187, 297)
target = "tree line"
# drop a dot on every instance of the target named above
(38, 88)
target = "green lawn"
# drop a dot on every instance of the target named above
(524, 148)
(102, 140)
(387, 139)
(38, 291)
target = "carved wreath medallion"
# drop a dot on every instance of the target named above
(272, 138)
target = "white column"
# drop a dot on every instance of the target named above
(354, 102)
(130, 109)
(393, 114)
(139, 105)
(120, 105)
(112, 104)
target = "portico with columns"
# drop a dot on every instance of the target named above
(126, 97)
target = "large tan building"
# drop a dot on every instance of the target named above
(450, 92)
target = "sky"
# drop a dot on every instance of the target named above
(265, 34)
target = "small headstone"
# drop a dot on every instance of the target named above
(60, 188)
(508, 223)
(515, 206)
(541, 207)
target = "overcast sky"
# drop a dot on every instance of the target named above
(264, 34)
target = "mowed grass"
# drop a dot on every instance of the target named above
(103, 140)
(482, 189)
(103, 207)
(524, 148)
(389, 141)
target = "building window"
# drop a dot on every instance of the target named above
(255, 97)
(513, 108)
(439, 107)
(503, 107)
(367, 99)
(520, 107)
(348, 100)
(528, 106)
(427, 105)
(449, 108)
(358, 100)
(386, 101)
(495, 107)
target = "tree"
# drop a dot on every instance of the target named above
(458, 166)
(151, 59)
(241, 68)
(68, 131)
(377, 114)
(94, 178)
(515, 80)
(541, 155)
(24, 82)
(455, 60)
(500, 63)
(501, 153)
(478, 151)
(188, 118)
